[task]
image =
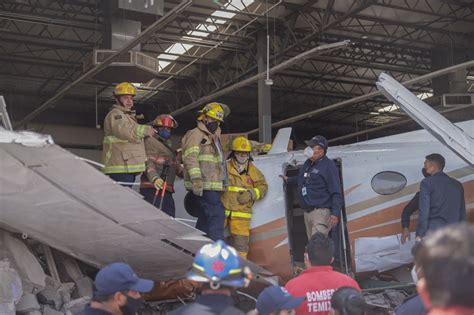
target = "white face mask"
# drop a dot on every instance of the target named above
(308, 152)
(414, 276)
(241, 159)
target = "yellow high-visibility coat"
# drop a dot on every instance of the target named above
(201, 158)
(123, 150)
(250, 180)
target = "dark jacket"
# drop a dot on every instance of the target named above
(409, 209)
(322, 184)
(212, 304)
(412, 306)
(441, 203)
(93, 311)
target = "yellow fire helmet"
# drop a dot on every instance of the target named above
(215, 110)
(125, 88)
(241, 144)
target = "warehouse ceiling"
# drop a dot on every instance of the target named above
(210, 45)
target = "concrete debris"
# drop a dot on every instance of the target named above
(56, 294)
(84, 287)
(25, 288)
(28, 267)
(75, 306)
(69, 270)
(28, 303)
(10, 288)
(49, 311)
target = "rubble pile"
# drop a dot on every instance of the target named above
(27, 287)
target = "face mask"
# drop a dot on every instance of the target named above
(414, 276)
(424, 172)
(308, 152)
(132, 306)
(241, 159)
(164, 133)
(212, 126)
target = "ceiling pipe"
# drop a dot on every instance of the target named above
(168, 17)
(316, 50)
(391, 125)
(365, 97)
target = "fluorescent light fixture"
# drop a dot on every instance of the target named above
(202, 30)
(425, 95)
(393, 107)
(387, 109)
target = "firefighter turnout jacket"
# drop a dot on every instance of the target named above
(158, 153)
(203, 158)
(249, 180)
(123, 150)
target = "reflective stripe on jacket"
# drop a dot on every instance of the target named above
(123, 150)
(159, 153)
(252, 179)
(201, 158)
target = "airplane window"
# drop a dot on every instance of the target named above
(388, 182)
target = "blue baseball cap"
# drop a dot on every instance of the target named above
(276, 298)
(318, 140)
(119, 277)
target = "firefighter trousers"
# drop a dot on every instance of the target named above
(167, 206)
(239, 228)
(211, 214)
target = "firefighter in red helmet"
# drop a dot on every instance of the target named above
(161, 166)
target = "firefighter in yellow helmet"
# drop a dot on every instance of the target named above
(246, 185)
(123, 153)
(205, 175)
(161, 166)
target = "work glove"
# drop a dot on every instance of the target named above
(198, 187)
(150, 131)
(244, 197)
(158, 182)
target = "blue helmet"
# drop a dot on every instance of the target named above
(219, 264)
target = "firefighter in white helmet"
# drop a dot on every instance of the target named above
(246, 185)
(123, 153)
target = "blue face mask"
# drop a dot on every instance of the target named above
(164, 133)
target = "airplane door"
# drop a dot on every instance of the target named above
(297, 237)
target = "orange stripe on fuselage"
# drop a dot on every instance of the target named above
(371, 221)
(264, 253)
(410, 189)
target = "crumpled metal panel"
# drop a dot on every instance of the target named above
(47, 193)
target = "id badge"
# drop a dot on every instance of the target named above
(303, 191)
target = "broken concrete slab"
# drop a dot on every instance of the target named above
(49, 311)
(21, 258)
(84, 287)
(55, 293)
(11, 288)
(28, 303)
(75, 306)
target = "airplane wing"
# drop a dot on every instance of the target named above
(56, 198)
(441, 128)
